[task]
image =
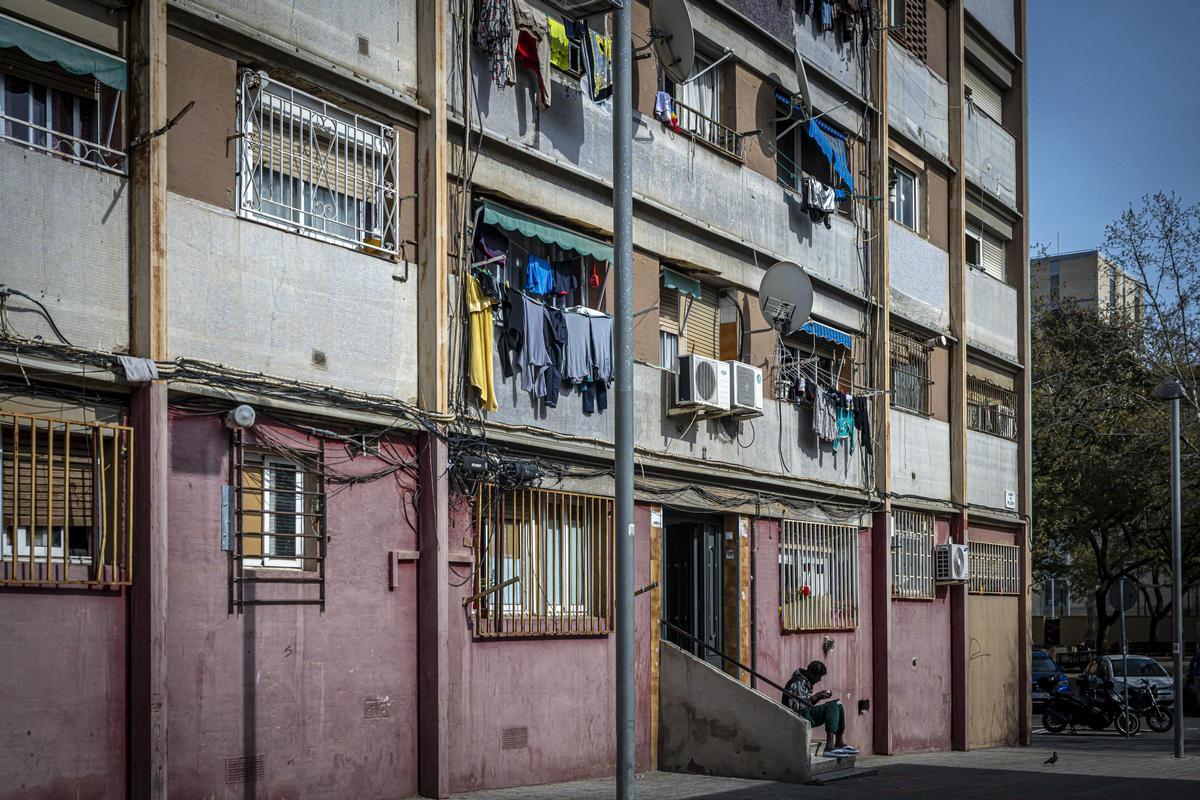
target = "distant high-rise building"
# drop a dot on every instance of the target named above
(1086, 277)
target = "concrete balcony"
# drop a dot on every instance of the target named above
(687, 180)
(992, 470)
(996, 16)
(65, 241)
(255, 297)
(920, 456)
(780, 442)
(842, 61)
(918, 102)
(920, 278)
(991, 157)
(992, 321)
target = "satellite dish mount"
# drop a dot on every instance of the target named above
(785, 297)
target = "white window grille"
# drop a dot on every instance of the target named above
(74, 117)
(313, 168)
(912, 555)
(818, 576)
(995, 568)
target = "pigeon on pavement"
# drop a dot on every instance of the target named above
(1053, 759)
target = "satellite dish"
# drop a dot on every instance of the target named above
(785, 297)
(802, 81)
(674, 40)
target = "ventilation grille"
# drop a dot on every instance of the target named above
(243, 769)
(743, 384)
(377, 708)
(706, 381)
(514, 738)
(364, 45)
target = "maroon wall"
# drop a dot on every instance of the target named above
(290, 683)
(62, 727)
(561, 689)
(778, 653)
(920, 688)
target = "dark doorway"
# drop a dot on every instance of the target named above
(693, 589)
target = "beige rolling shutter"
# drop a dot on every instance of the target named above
(668, 310)
(985, 94)
(335, 164)
(702, 326)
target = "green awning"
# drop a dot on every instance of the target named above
(78, 59)
(681, 283)
(525, 225)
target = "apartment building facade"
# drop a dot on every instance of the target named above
(293, 502)
(1088, 278)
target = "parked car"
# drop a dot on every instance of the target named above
(1044, 667)
(1191, 683)
(1140, 668)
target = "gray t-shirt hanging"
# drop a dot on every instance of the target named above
(579, 347)
(534, 355)
(602, 361)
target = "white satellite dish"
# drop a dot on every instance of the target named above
(785, 297)
(673, 38)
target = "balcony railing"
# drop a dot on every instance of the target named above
(991, 409)
(70, 148)
(708, 130)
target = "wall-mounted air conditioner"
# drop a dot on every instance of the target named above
(951, 563)
(702, 384)
(745, 389)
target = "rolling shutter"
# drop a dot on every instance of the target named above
(702, 325)
(668, 310)
(992, 253)
(985, 94)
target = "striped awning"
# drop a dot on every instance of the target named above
(829, 333)
(680, 283)
(510, 220)
(76, 58)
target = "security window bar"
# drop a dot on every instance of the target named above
(66, 515)
(991, 409)
(74, 117)
(995, 568)
(912, 555)
(911, 384)
(545, 563)
(313, 168)
(818, 576)
(280, 532)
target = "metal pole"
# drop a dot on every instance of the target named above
(1124, 658)
(1177, 576)
(623, 406)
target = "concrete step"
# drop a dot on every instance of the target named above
(842, 774)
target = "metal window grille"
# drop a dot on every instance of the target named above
(544, 563)
(311, 167)
(912, 555)
(280, 535)
(991, 409)
(67, 506)
(818, 576)
(73, 117)
(911, 384)
(995, 568)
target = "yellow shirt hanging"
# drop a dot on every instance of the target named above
(480, 370)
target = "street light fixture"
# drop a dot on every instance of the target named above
(1172, 391)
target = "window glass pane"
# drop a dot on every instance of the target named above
(285, 503)
(668, 349)
(16, 106)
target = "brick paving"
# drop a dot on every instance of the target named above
(1089, 766)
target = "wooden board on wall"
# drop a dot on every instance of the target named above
(995, 648)
(655, 628)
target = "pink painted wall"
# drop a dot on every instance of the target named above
(779, 653)
(292, 679)
(920, 688)
(561, 689)
(62, 728)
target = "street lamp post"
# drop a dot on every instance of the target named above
(1172, 391)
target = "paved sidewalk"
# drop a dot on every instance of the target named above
(1085, 769)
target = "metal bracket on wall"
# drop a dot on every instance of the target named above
(395, 557)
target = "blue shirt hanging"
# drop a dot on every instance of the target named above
(539, 277)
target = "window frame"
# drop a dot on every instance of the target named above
(986, 409)
(911, 360)
(894, 197)
(836, 548)
(512, 271)
(265, 106)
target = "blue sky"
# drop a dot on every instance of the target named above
(1114, 111)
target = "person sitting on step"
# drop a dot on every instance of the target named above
(799, 697)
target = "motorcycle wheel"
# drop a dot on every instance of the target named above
(1053, 721)
(1159, 720)
(1127, 722)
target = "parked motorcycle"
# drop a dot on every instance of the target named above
(1144, 701)
(1096, 705)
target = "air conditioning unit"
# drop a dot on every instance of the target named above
(702, 384)
(951, 563)
(745, 389)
